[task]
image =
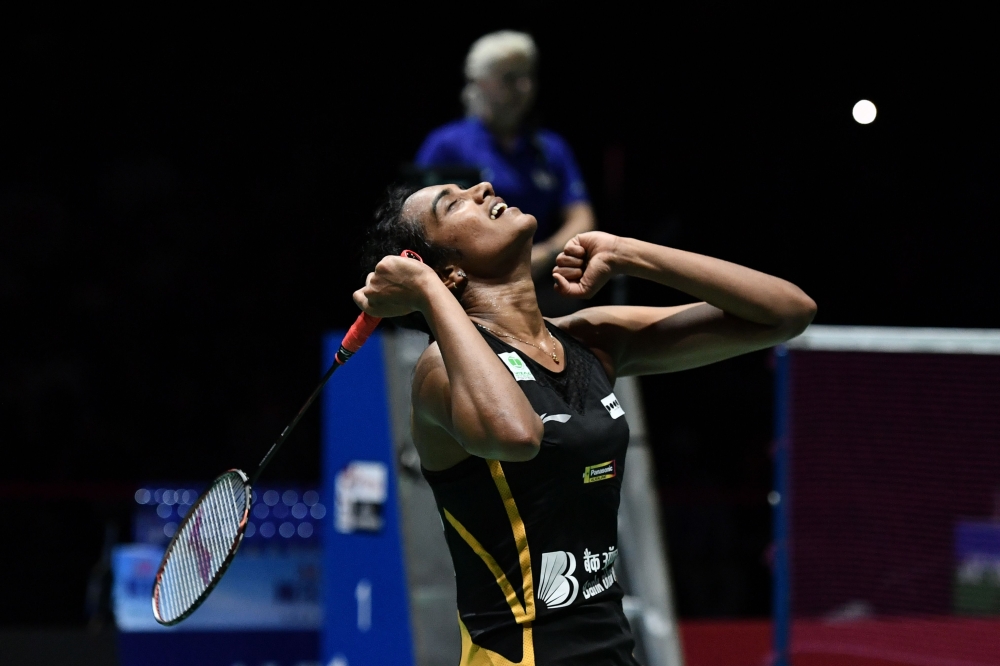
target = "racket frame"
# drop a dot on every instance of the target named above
(217, 576)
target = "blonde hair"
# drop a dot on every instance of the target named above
(495, 46)
(483, 54)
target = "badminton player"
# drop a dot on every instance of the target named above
(515, 418)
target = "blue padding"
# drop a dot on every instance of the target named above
(361, 568)
(781, 600)
(977, 538)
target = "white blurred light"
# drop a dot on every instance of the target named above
(251, 530)
(290, 497)
(300, 510)
(188, 497)
(310, 497)
(164, 510)
(182, 510)
(305, 530)
(864, 112)
(170, 529)
(168, 496)
(158, 495)
(317, 511)
(774, 498)
(142, 496)
(267, 530)
(286, 530)
(271, 497)
(261, 511)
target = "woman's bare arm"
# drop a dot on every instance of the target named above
(741, 310)
(464, 400)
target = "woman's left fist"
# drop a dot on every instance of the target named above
(586, 263)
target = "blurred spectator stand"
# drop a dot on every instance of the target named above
(266, 607)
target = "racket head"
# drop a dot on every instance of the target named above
(202, 549)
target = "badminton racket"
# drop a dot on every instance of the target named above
(209, 536)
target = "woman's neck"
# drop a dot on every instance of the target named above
(509, 307)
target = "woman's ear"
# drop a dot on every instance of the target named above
(454, 278)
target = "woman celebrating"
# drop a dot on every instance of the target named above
(519, 432)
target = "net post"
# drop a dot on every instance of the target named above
(781, 599)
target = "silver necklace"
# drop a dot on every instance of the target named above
(530, 344)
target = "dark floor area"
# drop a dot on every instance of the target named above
(31, 646)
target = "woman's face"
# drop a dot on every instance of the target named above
(493, 239)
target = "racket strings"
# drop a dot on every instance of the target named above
(200, 550)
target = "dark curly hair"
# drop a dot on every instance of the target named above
(392, 232)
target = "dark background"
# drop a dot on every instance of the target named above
(180, 210)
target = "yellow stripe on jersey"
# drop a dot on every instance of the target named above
(520, 537)
(508, 590)
(475, 655)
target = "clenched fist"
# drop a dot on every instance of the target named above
(397, 287)
(587, 262)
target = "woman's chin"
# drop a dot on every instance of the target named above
(521, 219)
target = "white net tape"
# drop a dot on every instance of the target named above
(201, 547)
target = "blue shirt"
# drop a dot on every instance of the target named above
(540, 176)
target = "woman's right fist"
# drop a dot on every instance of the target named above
(397, 287)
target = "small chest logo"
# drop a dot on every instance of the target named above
(611, 404)
(600, 472)
(517, 367)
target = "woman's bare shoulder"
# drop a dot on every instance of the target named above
(610, 331)
(602, 326)
(596, 329)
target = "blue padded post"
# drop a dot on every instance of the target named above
(366, 606)
(781, 601)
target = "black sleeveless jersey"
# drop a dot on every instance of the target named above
(534, 543)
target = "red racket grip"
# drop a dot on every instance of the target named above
(358, 334)
(364, 325)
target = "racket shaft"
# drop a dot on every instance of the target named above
(356, 336)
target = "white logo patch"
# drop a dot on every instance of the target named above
(517, 367)
(611, 404)
(557, 587)
(560, 418)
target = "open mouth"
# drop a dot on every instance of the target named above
(497, 210)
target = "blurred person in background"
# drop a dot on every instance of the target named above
(533, 167)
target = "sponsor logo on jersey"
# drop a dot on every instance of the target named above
(599, 472)
(594, 562)
(612, 405)
(557, 586)
(559, 418)
(517, 367)
(600, 584)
